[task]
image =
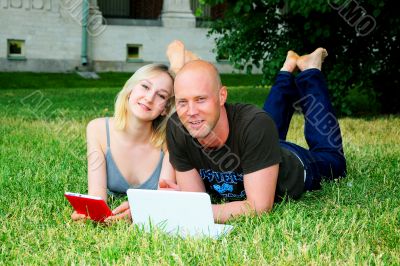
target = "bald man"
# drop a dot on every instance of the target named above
(238, 152)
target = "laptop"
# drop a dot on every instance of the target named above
(175, 212)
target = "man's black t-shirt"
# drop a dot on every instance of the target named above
(252, 145)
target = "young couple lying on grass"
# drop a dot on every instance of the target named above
(235, 152)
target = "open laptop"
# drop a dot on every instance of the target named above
(175, 212)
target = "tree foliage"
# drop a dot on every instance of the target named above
(360, 36)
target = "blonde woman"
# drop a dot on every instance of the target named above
(128, 149)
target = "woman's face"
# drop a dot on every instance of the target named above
(150, 96)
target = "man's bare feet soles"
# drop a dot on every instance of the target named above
(176, 55)
(290, 63)
(313, 60)
(190, 56)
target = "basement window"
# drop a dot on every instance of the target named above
(134, 52)
(16, 49)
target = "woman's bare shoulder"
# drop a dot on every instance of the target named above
(96, 128)
(97, 123)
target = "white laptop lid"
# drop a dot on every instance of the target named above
(185, 213)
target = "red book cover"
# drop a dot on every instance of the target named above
(94, 207)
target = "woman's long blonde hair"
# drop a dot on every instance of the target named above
(121, 103)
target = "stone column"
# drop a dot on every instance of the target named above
(96, 22)
(93, 7)
(177, 14)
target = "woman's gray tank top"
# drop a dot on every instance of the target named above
(116, 182)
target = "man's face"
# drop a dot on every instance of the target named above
(198, 103)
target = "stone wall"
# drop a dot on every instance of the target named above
(109, 48)
(52, 37)
(52, 32)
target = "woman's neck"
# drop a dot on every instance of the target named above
(137, 132)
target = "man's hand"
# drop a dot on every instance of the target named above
(165, 184)
(121, 212)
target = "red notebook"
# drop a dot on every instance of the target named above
(94, 207)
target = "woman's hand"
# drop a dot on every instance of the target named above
(78, 217)
(120, 213)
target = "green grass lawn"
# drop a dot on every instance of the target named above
(42, 155)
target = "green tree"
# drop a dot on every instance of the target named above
(360, 36)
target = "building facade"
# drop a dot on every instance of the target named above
(98, 35)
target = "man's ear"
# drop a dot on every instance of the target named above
(223, 95)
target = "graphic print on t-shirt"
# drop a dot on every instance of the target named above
(225, 184)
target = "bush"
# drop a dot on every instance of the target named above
(362, 61)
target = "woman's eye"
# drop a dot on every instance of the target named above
(145, 86)
(162, 96)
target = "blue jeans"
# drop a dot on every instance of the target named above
(308, 92)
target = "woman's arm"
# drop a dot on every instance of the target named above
(97, 177)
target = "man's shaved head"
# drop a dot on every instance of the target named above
(202, 69)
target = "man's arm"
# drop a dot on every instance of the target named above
(190, 181)
(259, 186)
(260, 194)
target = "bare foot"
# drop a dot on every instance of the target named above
(190, 56)
(176, 55)
(313, 60)
(290, 64)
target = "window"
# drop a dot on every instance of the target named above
(16, 49)
(131, 9)
(134, 52)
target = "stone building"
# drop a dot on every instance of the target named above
(100, 35)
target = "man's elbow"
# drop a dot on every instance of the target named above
(261, 207)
